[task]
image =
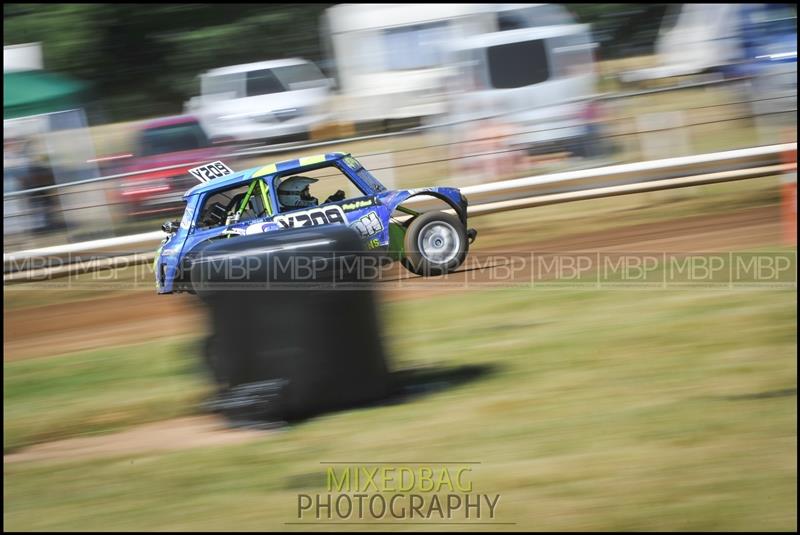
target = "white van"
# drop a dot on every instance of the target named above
(265, 100)
(539, 80)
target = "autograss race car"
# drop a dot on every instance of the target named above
(277, 197)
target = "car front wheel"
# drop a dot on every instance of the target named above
(435, 244)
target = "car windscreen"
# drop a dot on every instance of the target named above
(263, 82)
(303, 76)
(227, 85)
(372, 182)
(277, 80)
(174, 138)
(520, 64)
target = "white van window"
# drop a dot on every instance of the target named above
(511, 20)
(415, 47)
(517, 64)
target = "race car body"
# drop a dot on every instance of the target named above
(227, 204)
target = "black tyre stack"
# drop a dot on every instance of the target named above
(295, 327)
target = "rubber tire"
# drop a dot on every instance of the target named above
(415, 262)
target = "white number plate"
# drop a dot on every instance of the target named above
(210, 171)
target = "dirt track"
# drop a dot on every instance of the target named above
(168, 435)
(68, 327)
(56, 329)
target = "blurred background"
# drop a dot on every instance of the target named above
(104, 104)
(609, 411)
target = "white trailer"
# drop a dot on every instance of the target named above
(391, 59)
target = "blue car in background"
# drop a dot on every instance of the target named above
(767, 36)
(768, 45)
(227, 204)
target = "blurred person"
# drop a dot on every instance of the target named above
(16, 168)
(25, 169)
(15, 164)
(43, 204)
(593, 144)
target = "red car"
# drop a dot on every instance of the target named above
(161, 143)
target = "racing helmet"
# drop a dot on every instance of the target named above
(294, 192)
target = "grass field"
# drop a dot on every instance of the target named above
(605, 410)
(100, 390)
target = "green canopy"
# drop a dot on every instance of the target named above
(35, 92)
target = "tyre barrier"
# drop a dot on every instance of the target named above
(295, 325)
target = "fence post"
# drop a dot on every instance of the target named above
(789, 198)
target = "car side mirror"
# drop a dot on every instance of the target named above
(171, 227)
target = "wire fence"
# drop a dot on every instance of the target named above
(494, 137)
(503, 143)
(293, 147)
(433, 146)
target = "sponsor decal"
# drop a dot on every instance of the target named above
(256, 228)
(355, 205)
(329, 215)
(210, 171)
(352, 163)
(368, 225)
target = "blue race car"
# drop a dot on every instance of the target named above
(279, 196)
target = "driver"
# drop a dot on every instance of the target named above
(294, 192)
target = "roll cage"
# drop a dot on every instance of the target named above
(262, 184)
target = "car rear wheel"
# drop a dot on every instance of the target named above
(435, 244)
